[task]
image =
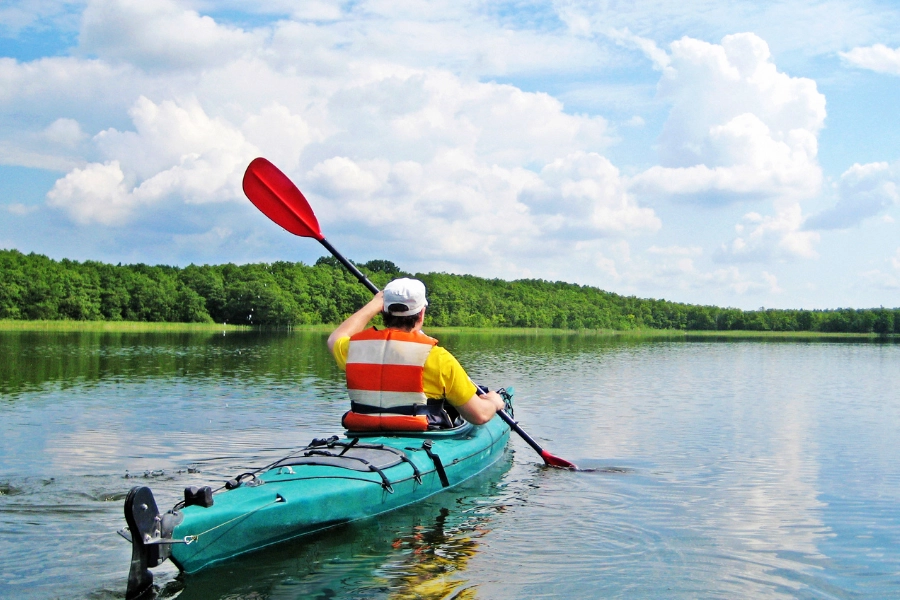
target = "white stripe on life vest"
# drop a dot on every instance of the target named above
(380, 352)
(387, 399)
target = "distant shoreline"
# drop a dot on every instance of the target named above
(143, 326)
(286, 295)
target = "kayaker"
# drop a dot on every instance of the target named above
(398, 378)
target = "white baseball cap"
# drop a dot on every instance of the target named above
(408, 292)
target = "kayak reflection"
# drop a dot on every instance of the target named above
(421, 551)
(435, 558)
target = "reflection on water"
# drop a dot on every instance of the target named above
(433, 558)
(33, 360)
(715, 469)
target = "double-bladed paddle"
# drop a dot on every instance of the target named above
(272, 192)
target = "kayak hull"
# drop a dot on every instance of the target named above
(292, 500)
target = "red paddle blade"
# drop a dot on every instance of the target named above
(555, 461)
(278, 198)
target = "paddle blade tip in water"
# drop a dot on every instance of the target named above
(273, 193)
(555, 461)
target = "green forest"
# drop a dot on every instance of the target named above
(285, 294)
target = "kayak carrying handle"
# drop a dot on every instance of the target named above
(417, 475)
(385, 482)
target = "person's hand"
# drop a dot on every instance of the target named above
(377, 301)
(481, 408)
(495, 398)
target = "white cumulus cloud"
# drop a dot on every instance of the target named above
(678, 272)
(738, 128)
(863, 191)
(96, 193)
(66, 132)
(169, 133)
(462, 209)
(781, 236)
(159, 34)
(417, 114)
(176, 150)
(877, 58)
(583, 195)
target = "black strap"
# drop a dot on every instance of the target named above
(438, 465)
(348, 446)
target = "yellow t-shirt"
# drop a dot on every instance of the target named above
(444, 377)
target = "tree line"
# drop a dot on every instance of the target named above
(283, 294)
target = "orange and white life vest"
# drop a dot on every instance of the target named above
(384, 380)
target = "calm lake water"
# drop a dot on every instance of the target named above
(731, 469)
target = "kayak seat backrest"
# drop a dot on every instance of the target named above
(364, 423)
(459, 429)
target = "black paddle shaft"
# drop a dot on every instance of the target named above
(515, 427)
(350, 266)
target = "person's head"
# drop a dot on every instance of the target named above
(404, 303)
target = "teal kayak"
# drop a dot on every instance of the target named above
(328, 483)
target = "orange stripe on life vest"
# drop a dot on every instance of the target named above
(385, 378)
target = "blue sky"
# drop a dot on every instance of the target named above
(732, 153)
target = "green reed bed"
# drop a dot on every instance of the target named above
(136, 326)
(788, 335)
(672, 334)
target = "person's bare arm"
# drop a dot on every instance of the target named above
(357, 321)
(481, 408)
